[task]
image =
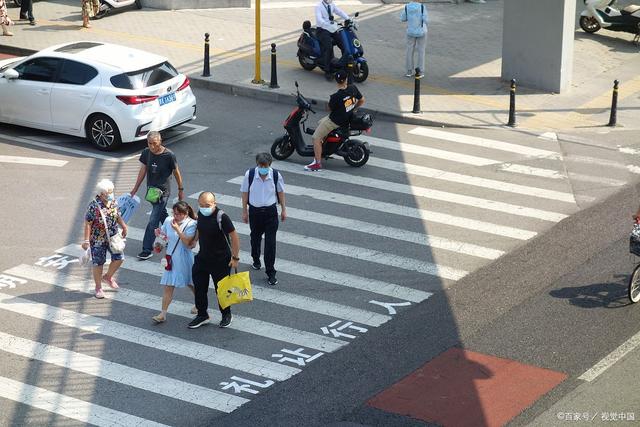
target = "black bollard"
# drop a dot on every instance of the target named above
(206, 72)
(512, 104)
(613, 119)
(274, 71)
(416, 92)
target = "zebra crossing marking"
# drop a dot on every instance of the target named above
(554, 174)
(33, 161)
(179, 308)
(122, 374)
(391, 208)
(265, 294)
(144, 337)
(69, 407)
(377, 230)
(428, 193)
(485, 143)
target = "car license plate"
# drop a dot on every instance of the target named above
(167, 99)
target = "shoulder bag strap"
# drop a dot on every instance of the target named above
(178, 242)
(252, 174)
(106, 227)
(219, 219)
(275, 183)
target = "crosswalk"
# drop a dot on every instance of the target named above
(360, 246)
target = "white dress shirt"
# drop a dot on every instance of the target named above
(263, 193)
(322, 16)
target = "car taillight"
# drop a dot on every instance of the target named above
(184, 85)
(136, 99)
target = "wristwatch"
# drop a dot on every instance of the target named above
(235, 258)
(180, 188)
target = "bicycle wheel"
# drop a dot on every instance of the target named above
(634, 285)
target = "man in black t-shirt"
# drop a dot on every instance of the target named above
(216, 258)
(158, 164)
(342, 105)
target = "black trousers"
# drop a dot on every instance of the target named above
(264, 221)
(201, 272)
(26, 9)
(326, 39)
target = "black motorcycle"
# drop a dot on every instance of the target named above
(339, 142)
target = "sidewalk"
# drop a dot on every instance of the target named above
(462, 86)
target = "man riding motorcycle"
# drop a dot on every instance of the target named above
(327, 31)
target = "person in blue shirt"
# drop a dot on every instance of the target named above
(415, 15)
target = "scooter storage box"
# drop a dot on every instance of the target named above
(361, 121)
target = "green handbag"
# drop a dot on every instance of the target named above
(153, 195)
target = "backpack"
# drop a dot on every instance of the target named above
(252, 175)
(219, 219)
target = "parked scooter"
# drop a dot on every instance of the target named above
(352, 51)
(106, 6)
(603, 14)
(339, 142)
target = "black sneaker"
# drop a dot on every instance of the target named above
(256, 264)
(144, 255)
(198, 321)
(226, 320)
(272, 280)
(32, 22)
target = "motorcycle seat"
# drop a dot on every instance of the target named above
(631, 9)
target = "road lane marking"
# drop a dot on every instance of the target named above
(391, 208)
(33, 161)
(377, 230)
(147, 338)
(69, 407)
(259, 293)
(611, 359)
(472, 180)
(554, 174)
(429, 152)
(179, 308)
(485, 143)
(428, 193)
(51, 146)
(122, 374)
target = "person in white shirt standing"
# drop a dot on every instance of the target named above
(415, 15)
(326, 31)
(262, 189)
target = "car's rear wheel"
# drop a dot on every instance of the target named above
(103, 132)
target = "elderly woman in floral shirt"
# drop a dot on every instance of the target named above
(89, 8)
(103, 209)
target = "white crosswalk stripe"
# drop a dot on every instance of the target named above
(265, 294)
(554, 174)
(68, 406)
(427, 193)
(127, 375)
(390, 208)
(155, 340)
(178, 308)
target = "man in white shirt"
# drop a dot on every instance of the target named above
(262, 189)
(327, 31)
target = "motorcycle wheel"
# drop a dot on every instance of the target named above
(358, 154)
(305, 64)
(282, 148)
(138, 4)
(362, 72)
(589, 24)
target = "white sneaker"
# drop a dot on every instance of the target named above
(408, 74)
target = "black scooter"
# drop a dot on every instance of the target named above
(339, 142)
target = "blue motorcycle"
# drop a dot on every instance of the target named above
(352, 51)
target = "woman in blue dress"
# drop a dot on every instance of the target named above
(180, 230)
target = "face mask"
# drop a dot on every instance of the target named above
(263, 171)
(206, 211)
(110, 197)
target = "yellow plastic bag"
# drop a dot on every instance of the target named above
(235, 289)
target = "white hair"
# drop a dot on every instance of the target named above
(104, 186)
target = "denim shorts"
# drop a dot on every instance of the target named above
(99, 254)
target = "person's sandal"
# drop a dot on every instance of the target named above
(112, 283)
(99, 294)
(158, 318)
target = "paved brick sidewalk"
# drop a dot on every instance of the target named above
(462, 84)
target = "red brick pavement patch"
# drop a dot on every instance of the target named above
(5, 56)
(463, 388)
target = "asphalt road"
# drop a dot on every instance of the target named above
(354, 236)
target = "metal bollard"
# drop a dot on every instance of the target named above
(206, 72)
(613, 118)
(512, 104)
(416, 92)
(274, 71)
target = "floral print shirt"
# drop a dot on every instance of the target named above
(93, 216)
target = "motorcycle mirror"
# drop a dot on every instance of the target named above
(296, 84)
(356, 15)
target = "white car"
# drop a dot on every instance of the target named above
(106, 93)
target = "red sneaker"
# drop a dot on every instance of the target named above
(313, 167)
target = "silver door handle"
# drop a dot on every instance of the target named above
(86, 96)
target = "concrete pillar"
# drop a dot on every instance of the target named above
(537, 43)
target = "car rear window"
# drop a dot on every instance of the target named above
(144, 78)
